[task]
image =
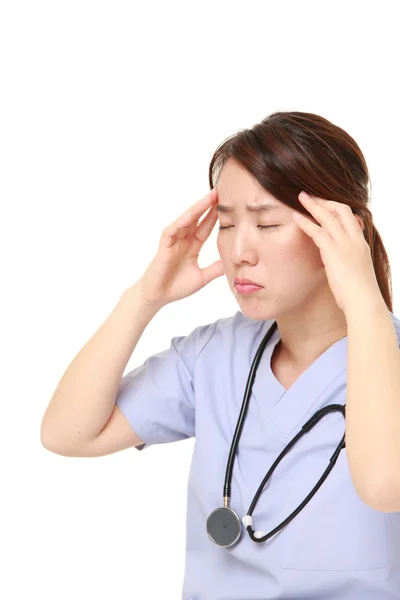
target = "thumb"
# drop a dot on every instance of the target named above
(215, 270)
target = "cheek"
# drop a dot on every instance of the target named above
(309, 252)
(222, 247)
(294, 255)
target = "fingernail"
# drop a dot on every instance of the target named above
(304, 194)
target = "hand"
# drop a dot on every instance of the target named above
(345, 252)
(174, 272)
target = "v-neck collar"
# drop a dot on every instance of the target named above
(288, 409)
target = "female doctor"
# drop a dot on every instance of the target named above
(294, 401)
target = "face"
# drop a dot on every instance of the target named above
(281, 258)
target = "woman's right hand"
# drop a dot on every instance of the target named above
(174, 272)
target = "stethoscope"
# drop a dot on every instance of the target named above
(223, 524)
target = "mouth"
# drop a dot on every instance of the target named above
(244, 281)
(247, 288)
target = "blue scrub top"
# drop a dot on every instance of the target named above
(336, 547)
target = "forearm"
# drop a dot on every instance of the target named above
(85, 396)
(373, 405)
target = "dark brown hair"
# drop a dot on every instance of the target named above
(288, 152)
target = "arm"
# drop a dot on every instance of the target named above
(85, 396)
(373, 405)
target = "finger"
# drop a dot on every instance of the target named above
(316, 232)
(200, 231)
(345, 214)
(196, 210)
(189, 217)
(215, 270)
(327, 219)
(206, 226)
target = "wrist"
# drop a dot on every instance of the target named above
(135, 294)
(365, 307)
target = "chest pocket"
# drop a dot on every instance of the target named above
(335, 531)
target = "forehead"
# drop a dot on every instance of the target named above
(238, 190)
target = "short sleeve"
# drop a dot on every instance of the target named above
(158, 397)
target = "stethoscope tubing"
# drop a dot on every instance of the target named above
(224, 521)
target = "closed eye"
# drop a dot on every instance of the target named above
(260, 226)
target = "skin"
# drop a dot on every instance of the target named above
(286, 261)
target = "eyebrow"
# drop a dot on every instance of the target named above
(257, 208)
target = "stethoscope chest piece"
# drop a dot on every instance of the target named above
(223, 526)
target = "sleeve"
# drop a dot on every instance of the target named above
(158, 397)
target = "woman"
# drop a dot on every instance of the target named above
(323, 293)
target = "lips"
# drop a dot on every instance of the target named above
(244, 281)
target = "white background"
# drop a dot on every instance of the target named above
(109, 115)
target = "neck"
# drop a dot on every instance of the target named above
(305, 335)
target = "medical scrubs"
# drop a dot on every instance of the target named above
(337, 546)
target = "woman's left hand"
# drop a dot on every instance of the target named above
(345, 252)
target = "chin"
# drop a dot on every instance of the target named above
(256, 312)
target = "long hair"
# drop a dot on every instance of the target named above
(292, 151)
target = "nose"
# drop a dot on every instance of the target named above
(244, 249)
